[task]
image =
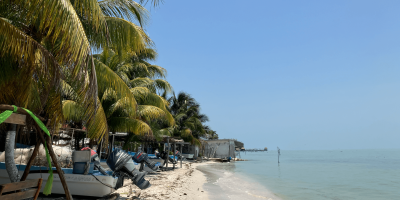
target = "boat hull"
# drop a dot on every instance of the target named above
(78, 184)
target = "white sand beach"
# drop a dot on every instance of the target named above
(182, 183)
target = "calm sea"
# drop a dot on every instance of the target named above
(308, 175)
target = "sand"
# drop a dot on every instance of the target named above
(182, 183)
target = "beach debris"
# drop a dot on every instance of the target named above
(184, 194)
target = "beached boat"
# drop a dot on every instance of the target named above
(94, 185)
(188, 156)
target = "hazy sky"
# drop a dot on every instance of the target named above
(293, 74)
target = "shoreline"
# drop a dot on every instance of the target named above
(182, 183)
(225, 183)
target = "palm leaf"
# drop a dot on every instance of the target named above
(150, 112)
(126, 36)
(109, 79)
(72, 110)
(97, 122)
(125, 124)
(58, 20)
(130, 10)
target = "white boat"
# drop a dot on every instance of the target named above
(188, 156)
(94, 185)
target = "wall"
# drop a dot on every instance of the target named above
(224, 148)
(191, 149)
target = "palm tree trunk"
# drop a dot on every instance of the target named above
(9, 154)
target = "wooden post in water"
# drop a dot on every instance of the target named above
(279, 153)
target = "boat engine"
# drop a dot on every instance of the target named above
(95, 160)
(163, 155)
(140, 157)
(122, 165)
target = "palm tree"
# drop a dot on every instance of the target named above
(43, 41)
(116, 113)
(188, 119)
(210, 134)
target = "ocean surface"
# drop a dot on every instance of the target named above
(307, 175)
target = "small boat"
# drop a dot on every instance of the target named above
(93, 185)
(188, 156)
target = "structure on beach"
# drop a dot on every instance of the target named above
(221, 148)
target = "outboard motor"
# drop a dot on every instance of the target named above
(122, 165)
(95, 159)
(163, 155)
(140, 157)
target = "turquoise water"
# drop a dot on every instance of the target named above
(308, 175)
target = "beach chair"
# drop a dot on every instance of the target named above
(21, 190)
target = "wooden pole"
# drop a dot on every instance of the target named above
(72, 138)
(54, 158)
(181, 155)
(99, 148)
(167, 151)
(30, 162)
(174, 154)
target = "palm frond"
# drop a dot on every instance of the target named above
(157, 71)
(154, 2)
(152, 85)
(65, 27)
(93, 21)
(109, 79)
(122, 106)
(166, 131)
(126, 35)
(125, 124)
(97, 121)
(150, 112)
(130, 10)
(72, 110)
(27, 52)
(67, 91)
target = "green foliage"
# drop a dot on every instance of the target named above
(189, 122)
(49, 43)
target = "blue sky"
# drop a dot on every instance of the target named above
(293, 74)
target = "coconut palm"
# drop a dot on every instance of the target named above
(43, 41)
(210, 134)
(188, 119)
(115, 113)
